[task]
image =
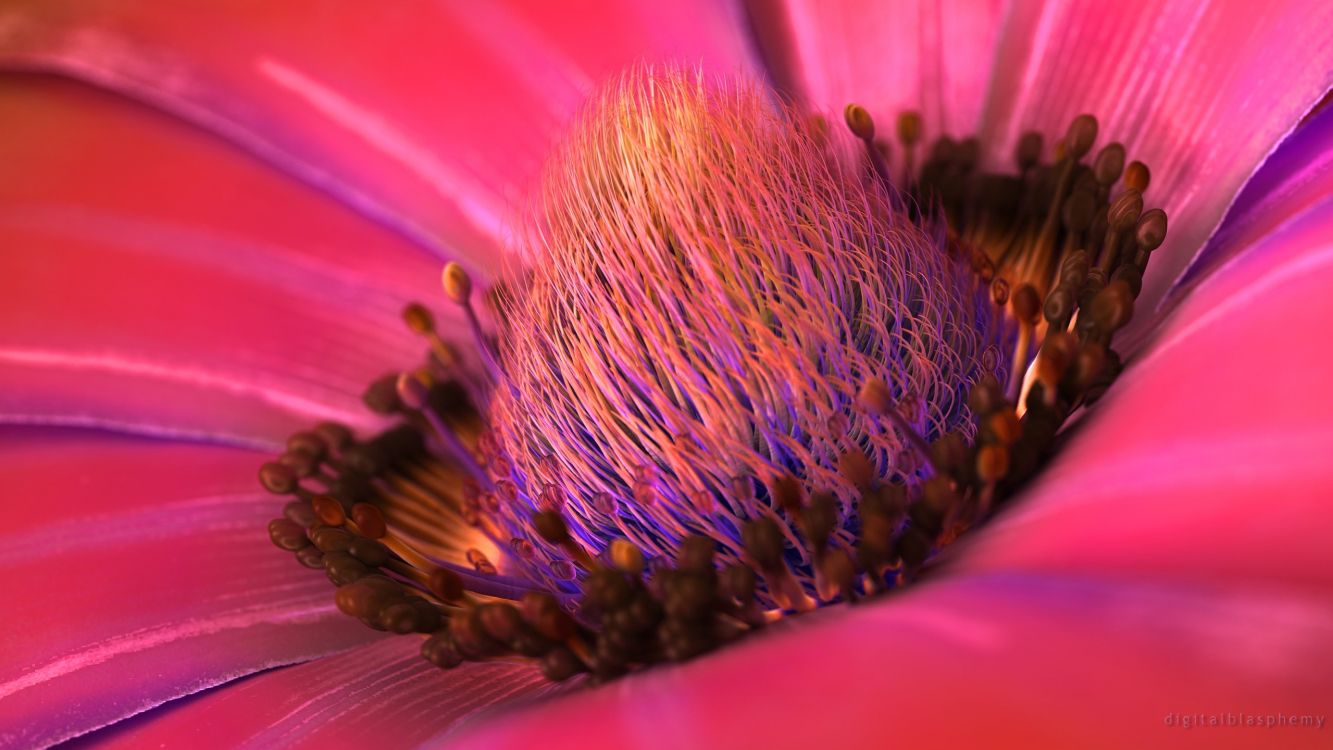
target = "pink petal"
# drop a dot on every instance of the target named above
(1000, 660)
(1201, 92)
(156, 279)
(379, 695)
(136, 572)
(1294, 180)
(426, 116)
(1209, 459)
(890, 56)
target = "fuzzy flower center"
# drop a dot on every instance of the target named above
(748, 368)
(708, 288)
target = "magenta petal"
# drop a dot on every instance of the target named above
(426, 115)
(933, 56)
(1296, 178)
(1201, 92)
(1209, 459)
(379, 695)
(1001, 660)
(156, 279)
(136, 572)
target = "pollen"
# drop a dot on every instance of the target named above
(743, 371)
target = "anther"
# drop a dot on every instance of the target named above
(458, 288)
(278, 478)
(369, 521)
(1027, 152)
(862, 126)
(1137, 176)
(1109, 164)
(876, 398)
(764, 545)
(1149, 234)
(447, 585)
(336, 437)
(414, 395)
(859, 122)
(787, 493)
(992, 465)
(328, 510)
(1112, 308)
(420, 320)
(287, 534)
(551, 526)
(1080, 136)
(331, 539)
(909, 134)
(307, 443)
(1121, 216)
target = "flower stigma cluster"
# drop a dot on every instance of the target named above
(746, 369)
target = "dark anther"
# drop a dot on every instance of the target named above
(331, 539)
(1109, 164)
(739, 582)
(551, 526)
(342, 568)
(335, 436)
(606, 589)
(695, 554)
(446, 584)
(310, 557)
(287, 534)
(1027, 304)
(763, 543)
(545, 615)
(369, 520)
(308, 443)
(1027, 152)
(1081, 135)
(500, 621)
(369, 551)
(328, 510)
(819, 519)
(439, 650)
(304, 464)
(381, 396)
(787, 493)
(559, 664)
(299, 512)
(418, 318)
(1151, 230)
(278, 478)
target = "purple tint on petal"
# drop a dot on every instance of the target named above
(1294, 179)
(138, 571)
(379, 695)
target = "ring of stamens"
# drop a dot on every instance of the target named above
(404, 523)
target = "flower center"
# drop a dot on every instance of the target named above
(746, 372)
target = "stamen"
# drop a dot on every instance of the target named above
(458, 288)
(862, 126)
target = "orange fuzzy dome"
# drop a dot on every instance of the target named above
(708, 283)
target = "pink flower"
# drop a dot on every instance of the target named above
(208, 248)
